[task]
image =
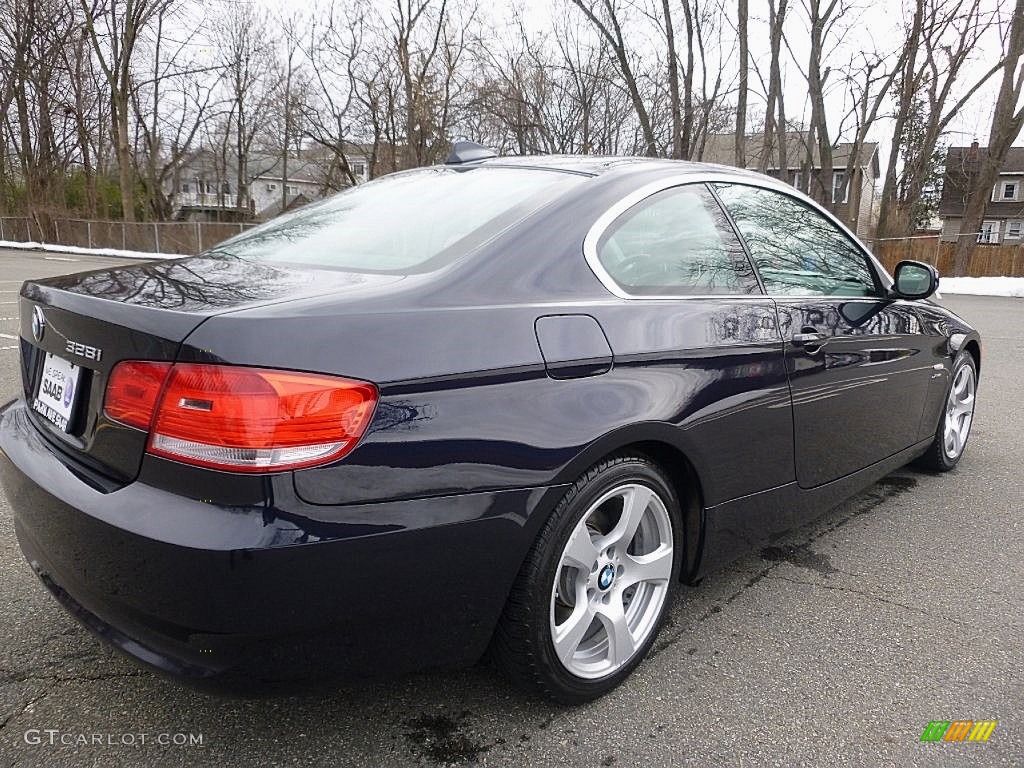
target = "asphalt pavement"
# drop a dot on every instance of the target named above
(836, 646)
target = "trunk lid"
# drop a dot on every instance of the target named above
(76, 328)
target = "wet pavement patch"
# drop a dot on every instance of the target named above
(801, 557)
(888, 487)
(442, 739)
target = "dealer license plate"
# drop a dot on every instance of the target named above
(58, 390)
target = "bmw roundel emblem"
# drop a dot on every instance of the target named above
(606, 577)
(38, 323)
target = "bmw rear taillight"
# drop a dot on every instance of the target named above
(133, 390)
(251, 419)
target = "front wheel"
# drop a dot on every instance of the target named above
(594, 589)
(955, 424)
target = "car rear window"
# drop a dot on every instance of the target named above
(405, 223)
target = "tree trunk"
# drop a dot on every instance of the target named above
(819, 118)
(774, 117)
(687, 130)
(123, 152)
(741, 98)
(673, 82)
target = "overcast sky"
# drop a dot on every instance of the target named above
(868, 25)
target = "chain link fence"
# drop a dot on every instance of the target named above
(168, 237)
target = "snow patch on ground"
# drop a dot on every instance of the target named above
(87, 251)
(983, 286)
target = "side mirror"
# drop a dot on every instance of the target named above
(915, 280)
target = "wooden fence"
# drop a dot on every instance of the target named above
(986, 260)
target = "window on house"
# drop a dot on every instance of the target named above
(840, 189)
(989, 232)
(271, 187)
(797, 180)
(293, 190)
(1014, 230)
(225, 188)
(185, 188)
(1009, 191)
(358, 169)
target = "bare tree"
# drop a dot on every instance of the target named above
(870, 78)
(335, 42)
(245, 44)
(560, 92)
(114, 28)
(775, 114)
(288, 103)
(170, 105)
(605, 17)
(946, 33)
(84, 105)
(823, 15)
(35, 32)
(1007, 121)
(673, 74)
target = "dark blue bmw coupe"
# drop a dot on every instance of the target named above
(503, 403)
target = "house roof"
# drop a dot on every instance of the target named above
(309, 165)
(959, 157)
(720, 148)
(959, 165)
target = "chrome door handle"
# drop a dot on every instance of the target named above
(809, 339)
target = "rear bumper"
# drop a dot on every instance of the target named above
(279, 590)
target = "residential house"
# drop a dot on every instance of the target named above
(204, 186)
(1004, 216)
(851, 193)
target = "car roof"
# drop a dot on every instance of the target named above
(595, 165)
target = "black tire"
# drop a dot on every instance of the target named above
(524, 644)
(939, 457)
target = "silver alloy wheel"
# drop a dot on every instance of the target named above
(612, 581)
(959, 412)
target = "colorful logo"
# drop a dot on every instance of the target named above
(958, 730)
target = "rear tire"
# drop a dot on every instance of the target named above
(593, 592)
(957, 416)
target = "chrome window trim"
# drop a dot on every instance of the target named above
(605, 220)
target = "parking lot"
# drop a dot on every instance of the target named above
(835, 646)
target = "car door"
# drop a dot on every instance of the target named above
(696, 335)
(858, 362)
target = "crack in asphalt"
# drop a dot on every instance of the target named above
(7, 679)
(70, 678)
(875, 597)
(31, 703)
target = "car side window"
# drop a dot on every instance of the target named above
(677, 241)
(796, 250)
